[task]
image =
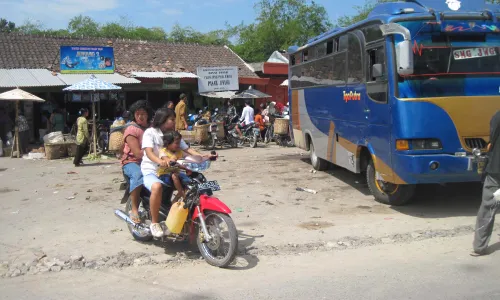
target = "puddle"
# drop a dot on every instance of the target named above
(315, 225)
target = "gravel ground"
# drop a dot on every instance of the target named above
(56, 217)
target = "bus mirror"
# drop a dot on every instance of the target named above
(377, 71)
(404, 54)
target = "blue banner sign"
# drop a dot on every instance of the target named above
(87, 60)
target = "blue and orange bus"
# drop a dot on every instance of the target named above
(403, 96)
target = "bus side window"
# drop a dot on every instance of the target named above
(376, 86)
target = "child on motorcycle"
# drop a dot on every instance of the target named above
(171, 151)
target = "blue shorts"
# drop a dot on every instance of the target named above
(134, 174)
(151, 179)
(167, 179)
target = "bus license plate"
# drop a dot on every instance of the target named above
(480, 167)
(210, 185)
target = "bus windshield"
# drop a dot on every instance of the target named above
(451, 64)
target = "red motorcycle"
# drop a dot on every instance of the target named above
(207, 220)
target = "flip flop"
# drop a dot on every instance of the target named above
(475, 254)
(134, 217)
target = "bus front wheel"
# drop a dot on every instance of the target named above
(318, 163)
(388, 193)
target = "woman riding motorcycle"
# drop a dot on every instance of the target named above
(140, 113)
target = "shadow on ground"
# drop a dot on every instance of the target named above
(438, 201)
(243, 261)
(431, 201)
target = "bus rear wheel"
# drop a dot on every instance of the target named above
(388, 193)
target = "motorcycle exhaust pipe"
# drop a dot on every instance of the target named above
(120, 214)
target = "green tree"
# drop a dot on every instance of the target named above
(362, 13)
(280, 23)
(7, 26)
(84, 26)
(31, 26)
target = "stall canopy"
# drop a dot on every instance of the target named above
(92, 84)
(18, 95)
(219, 95)
(251, 93)
(164, 75)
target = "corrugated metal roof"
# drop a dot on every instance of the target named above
(6, 80)
(28, 78)
(71, 79)
(164, 75)
(23, 77)
(46, 77)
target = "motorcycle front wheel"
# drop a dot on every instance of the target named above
(221, 250)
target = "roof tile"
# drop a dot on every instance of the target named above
(31, 51)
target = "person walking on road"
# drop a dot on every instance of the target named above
(181, 114)
(489, 205)
(82, 136)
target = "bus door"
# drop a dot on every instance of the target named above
(377, 109)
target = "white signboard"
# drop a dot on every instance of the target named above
(217, 79)
(474, 53)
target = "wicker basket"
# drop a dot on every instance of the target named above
(116, 141)
(201, 133)
(281, 126)
(71, 148)
(55, 151)
(187, 136)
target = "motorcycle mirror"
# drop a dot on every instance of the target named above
(216, 109)
(200, 111)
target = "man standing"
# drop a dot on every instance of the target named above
(247, 116)
(181, 114)
(489, 205)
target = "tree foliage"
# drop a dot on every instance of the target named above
(7, 26)
(362, 12)
(280, 23)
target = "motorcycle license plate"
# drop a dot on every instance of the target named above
(210, 185)
(256, 131)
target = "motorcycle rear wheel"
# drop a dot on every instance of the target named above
(253, 142)
(135, 230)
(210, 250)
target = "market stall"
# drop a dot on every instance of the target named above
(93, 85)
(18, 95)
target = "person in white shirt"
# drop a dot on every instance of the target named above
(152, 141)
(247, 116)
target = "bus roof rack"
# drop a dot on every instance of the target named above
(312, 40)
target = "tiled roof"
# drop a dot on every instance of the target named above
(40, 52)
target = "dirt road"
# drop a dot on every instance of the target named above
(50, 208)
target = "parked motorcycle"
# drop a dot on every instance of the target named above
(207, 219)
(250, 133)
(230, 135)
(103, 132)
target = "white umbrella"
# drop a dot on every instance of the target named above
(284, 83)
(18, 95)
